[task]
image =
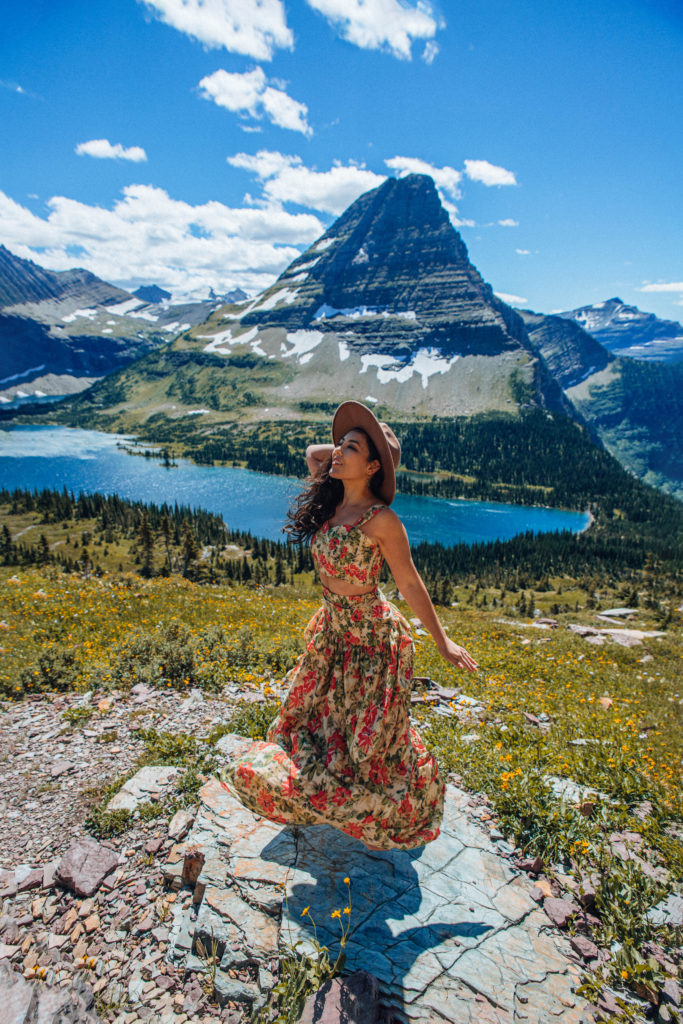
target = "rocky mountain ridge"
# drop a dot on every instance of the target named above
(61, 331)
(634, 406)
(627, 331)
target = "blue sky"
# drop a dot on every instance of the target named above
(198, 143)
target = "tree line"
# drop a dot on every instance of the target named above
(165, 539)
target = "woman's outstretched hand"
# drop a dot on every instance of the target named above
(457, 656)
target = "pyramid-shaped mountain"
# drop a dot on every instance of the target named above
(386, 307)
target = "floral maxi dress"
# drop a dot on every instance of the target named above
(342, 751)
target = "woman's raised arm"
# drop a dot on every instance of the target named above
(316, 457)
(389, 532)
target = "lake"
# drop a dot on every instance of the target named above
(36, 457)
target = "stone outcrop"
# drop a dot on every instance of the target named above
(85, 865)
(451, 931)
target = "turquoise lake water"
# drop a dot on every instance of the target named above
(86, 460)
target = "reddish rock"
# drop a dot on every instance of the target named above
(154, 845)
(584, 947)
(607, 1003)
(85, 865)
(33, 880)
(560, 911)
(587, 887)
(531, 864)
(351, 1000)
(192, 865)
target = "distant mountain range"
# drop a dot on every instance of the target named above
(61, 331)
(627, 331)
(387, 308)
(634, 406)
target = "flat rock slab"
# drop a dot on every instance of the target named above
(85, 865)
(450, 930)
(148, 784)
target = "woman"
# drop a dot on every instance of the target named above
(341, 751)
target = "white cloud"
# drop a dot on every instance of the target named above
(390, 25)
(509, 223)
(523, 252)
(250, 94)
(488, 174)
(663, 286)
(254, 28)
(286, 180)
(103, 149)
(430, 51)
(512, 300)
(149, 237)
(13, 87)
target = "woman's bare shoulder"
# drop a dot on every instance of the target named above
(384, 523)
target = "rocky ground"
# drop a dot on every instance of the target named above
(119, 919)
(118, 937)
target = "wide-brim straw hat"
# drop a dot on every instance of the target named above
(352, 415)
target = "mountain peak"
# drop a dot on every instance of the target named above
(392, 253)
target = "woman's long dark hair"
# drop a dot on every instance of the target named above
(316, 504)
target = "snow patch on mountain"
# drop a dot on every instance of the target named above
(124, 308)
(327, 312)
(144, 316)
(302, 342)
(84, 314)
(224, 341)
(426, 362)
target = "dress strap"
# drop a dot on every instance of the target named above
(372, 511)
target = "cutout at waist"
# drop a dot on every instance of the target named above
(350, 589)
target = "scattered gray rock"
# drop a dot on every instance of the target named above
(25, 1002)
(571, 792)
(228, 989)
(671, 992)
(668, 911)
(60, 767)
(150, 783)
(180, 823)
(33, 880)
(85, 865)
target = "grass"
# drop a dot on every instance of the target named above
(624, 705)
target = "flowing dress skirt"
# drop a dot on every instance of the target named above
(342, 751)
